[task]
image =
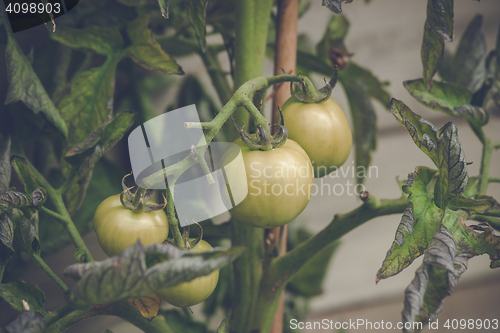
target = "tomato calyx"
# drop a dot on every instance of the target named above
(306, 94)
(190, 243)
(261, 140)
(127, 198)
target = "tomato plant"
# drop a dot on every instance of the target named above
(194, 291)
(118, 227)
(322, 130)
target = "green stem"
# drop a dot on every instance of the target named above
(491, 220)
(63, 216)
(46, 269)
(57, 314)
(217, 74)
(494, 180)
(485, 166)
(67, 183)
(173, 223)
(122, 309)
(285, 267)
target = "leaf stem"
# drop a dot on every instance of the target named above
(485, 166)
(57, 314)
(46, 269)
(63, 215)
(122, 309)
(173, 222)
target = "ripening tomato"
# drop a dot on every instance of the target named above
(194, 291)
(117, 227)
(322, 130)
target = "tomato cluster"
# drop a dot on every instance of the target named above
(278, 181)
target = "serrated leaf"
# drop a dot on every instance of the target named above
(163, 8)
(197, 12)
(434, 280)
(444, 262)
(26, 235)
(5, 168)
(147, 305)
(146, 52)
(15, 292)
(24, 173)
(90, 101)
(364, 121)
(334, 5)
(101, 40)
(26, 322)
(25, 86)
(419, 222)
(86, 154)
(442, 96)
(467, 68)
(453, 177)
(10, 199)
(423, 133)
(128, 276)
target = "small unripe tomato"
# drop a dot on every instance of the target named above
(194, 291)
(117, 227)
(322, 130)
(279, 184)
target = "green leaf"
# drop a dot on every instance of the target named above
(26, 235)
(475, 115)
(15, 292)
(334, 5)
(223, 327)
(146, 52)
(5, 168)
(364, 121)
(375, 88)
(419, 222)
(86, 154)
(101, 40)
(473, 206)
(128, 276)
(445, 260)
(163, 8)
(25, 86)
(440, 18)
(453, 177)
(11, 199)
(6, 241)
(26, 322)
(314, 64)
(443, 97)
(197, 11)
(437, 29)
(467, 67)
(90, 100)
(435, 279)
(423, 133)
(7, 231)
(334, 36)
(24, 173)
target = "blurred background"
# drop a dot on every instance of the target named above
(385, 36)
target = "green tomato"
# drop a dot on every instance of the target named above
(194, 291)
(322, 130)
(118, 227)
(279, 184)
